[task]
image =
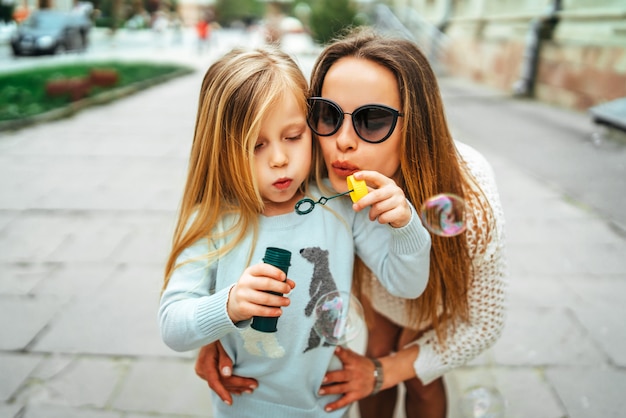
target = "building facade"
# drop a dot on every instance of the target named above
(570, 53)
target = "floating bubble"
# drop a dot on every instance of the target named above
(444, 214)
(338, 317)
(483, 402)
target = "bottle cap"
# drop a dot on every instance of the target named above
(358, 187)
(278, 257)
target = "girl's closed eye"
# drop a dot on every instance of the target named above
(259, 145)
(294, 135)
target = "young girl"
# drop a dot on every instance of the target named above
(249, 166)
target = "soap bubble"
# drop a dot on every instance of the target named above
(338, 317)
(483, 402)
(444, 214)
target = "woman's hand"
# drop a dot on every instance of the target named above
(387, 200)
(355, 381)
(214, 366)
(250, 297)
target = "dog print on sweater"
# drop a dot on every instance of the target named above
(322, 283)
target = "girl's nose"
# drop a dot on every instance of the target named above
(279, 157)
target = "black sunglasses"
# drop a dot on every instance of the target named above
(373, 123)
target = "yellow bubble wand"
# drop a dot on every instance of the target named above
(356, 188)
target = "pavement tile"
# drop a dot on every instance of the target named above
(33, 236)
(607, 259)
(6, 216)
(21, 279)
(10, 410)
(75, 280)
(75, 382)
(542, 292)
(164, 386)
(545, 336)
(23, 318)
(526, 392)
(95, 239)
(590, 392)
(15, 369)
(602, 311)
(54, 411)
(149, 243)
(119, 319)
(535, 260)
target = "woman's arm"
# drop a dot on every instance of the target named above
(425, 358)
(214, 366)
(357, 378)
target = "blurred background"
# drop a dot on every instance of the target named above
(569, 53)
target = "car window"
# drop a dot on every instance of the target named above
(45, 21)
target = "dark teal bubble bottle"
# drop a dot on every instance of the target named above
(280, 258)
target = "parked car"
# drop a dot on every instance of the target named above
(51, 32)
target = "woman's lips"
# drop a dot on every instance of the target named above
(282, 184)
(344, 169)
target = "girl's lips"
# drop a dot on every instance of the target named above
(343, 169)
(282, 184)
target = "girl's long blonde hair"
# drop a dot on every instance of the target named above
(237, 92)
(429, 165)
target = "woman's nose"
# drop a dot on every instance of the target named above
(346, 137)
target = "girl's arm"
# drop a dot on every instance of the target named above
(191, 316)
(191, 313)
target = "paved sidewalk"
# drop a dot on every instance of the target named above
(87, 207)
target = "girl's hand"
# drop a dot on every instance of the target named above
(249, 296)
(387, 200)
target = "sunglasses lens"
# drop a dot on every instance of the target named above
(373, 123)
(324, 118)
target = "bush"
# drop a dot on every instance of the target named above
(23, 93)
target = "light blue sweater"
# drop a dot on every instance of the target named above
(290, 363)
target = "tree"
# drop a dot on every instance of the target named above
(228, 11)
(331, 17)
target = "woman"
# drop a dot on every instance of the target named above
(461, 312)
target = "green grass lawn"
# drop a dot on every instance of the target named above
(23, 93)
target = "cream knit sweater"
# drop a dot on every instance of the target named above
(486, 295)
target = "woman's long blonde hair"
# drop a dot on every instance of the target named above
(237, 92)
(429, 165)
